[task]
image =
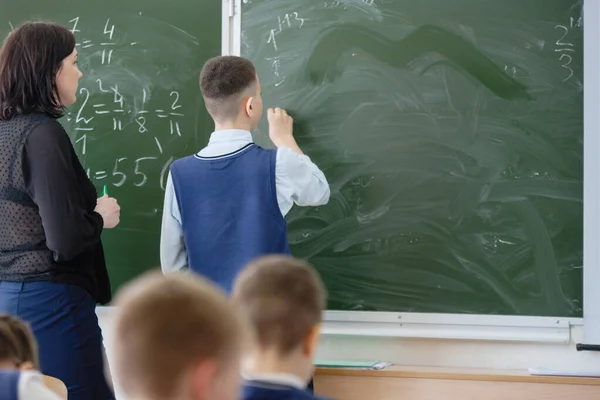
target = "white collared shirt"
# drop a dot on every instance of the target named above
(32, 387)
(277, 379)
(298, 181)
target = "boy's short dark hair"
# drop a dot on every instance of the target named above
(17, 343)
(30, 59)
(283, 299)
(166, 325)
(223, 80)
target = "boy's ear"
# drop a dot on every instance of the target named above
(311, 341)
(249, 106)
(201, 378)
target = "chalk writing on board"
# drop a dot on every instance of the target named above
(82, 139)
(75, 21)
(513, 70)
(335, 5)
(160, 150)
(79, 118)
(271, 39)
(276, 66)
(566, 48)
(163, 173)
(106, 103)
(286, 21)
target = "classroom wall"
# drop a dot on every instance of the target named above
(442, 353)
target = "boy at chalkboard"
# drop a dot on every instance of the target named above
(282, 298)
(226, 205)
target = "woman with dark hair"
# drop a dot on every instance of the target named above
(52, 268)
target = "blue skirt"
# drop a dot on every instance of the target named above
(65, 324)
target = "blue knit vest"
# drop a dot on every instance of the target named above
(269, 391)
(9, 384)
(229, 211)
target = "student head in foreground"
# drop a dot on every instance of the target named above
(20, 378)
(176, 337)
(283, 299)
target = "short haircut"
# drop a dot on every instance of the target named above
(17, 343)
(30, 59)
(223, 81)
(282, 298)
(166, 325)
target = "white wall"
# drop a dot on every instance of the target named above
(435, 352)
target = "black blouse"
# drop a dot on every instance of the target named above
(48, 227)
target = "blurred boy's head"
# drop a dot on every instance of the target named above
(177, 337)
(283, 298)
(231, 92)
(19, 350)
(18, 347)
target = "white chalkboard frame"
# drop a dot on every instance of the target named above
(490, 327)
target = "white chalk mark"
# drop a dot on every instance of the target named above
(101, 88)
(117, 124)
(158, 145)
(79, 118)
(83, 139)
(175, 127)
(111, 31)
(182, 31)
(75, 22)
(163, 173)
(141, 121)
(175, 106)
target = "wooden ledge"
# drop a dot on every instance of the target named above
(468, 374)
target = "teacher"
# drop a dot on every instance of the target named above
(52, 268)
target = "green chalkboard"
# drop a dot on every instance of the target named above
(139, 104)
(451, 133)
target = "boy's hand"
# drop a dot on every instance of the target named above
(280, 127)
